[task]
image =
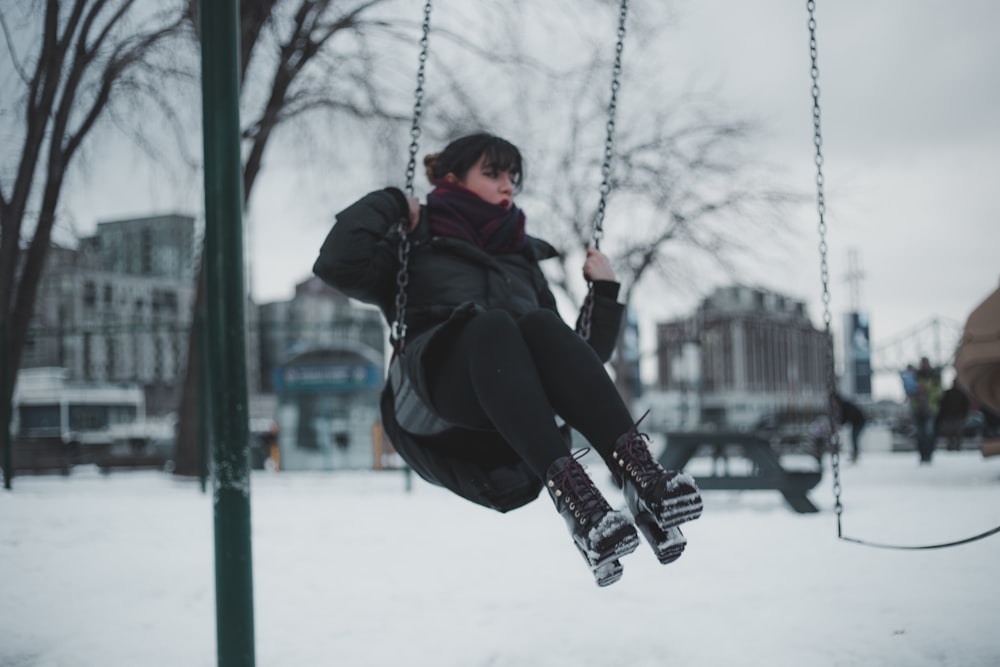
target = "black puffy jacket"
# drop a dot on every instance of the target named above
(360, 258)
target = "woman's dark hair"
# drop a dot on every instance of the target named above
(461, 154)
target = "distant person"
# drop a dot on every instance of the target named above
(952, 412)
(925, 398)
(991, 422)
(977, 364)
(909, 379)
(977, 360)
(851, 414)
(990, 445)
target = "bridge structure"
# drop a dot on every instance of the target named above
(936, 338)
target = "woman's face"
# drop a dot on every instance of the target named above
(489, 183)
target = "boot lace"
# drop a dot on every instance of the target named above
(577, 490)
(634, 456)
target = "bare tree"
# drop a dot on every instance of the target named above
(677, 183)
(684, 190)
(86, 53)
(681, 167)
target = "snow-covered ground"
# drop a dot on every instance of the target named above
(351, 569)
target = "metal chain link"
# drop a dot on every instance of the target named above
(586, 312)
(418, 100)
(609, 140)
(397, 333)
(833, 410)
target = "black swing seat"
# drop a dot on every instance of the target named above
(476, 464)
(412, 414)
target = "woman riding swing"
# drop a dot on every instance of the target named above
(488, 356)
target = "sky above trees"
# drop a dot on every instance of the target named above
(911, 146)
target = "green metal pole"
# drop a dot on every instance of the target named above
(226, 351)
(204, 401)
(6, 404)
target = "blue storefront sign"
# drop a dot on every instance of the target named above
(330, 377)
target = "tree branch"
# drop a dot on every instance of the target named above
(18, 67)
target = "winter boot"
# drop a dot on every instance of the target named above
(660, 500)
(600, 533)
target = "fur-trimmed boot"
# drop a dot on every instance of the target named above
(660, 500)
(600, 533)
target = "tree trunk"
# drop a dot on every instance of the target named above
(188, 448)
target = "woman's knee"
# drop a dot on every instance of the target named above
(542, 323)
(491, 326)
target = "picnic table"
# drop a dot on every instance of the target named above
(767, 471)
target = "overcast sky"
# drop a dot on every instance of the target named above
(911, 140)
(911, 143)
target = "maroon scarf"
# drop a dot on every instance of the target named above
(460, 213)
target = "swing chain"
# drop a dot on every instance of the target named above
(609, 141)
(418, 101)
(397, 332)
(586, 312)
(833, 410)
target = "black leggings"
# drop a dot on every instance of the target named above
(517, 375)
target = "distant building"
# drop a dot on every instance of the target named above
(118, 310)
(159, 246)
(323, 357)
(745, 353)
(118, 307)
